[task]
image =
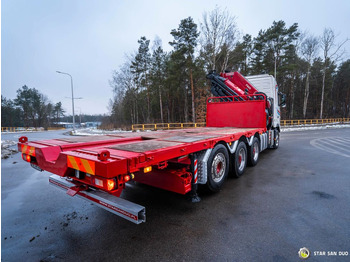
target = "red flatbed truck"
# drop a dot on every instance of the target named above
(97, 168)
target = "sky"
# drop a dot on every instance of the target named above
(90, 38)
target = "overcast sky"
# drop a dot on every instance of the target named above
(89, 38)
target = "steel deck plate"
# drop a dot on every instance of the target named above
(82, 139)
(144, 146)
(189, 138)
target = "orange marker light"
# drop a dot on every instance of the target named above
(147, 169)
(110, 184)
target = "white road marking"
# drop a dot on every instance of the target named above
(335, 145)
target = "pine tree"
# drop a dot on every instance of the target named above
(158, 74)
(140, 68)
(184, 44)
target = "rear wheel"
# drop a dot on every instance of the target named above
(240, 159)
(253, 153)
(218, 166)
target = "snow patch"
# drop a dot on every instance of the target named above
(6, 148)
(95, 132)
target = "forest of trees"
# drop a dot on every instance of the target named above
(30, 108)
(157, 86)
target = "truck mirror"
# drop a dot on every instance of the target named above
(282, 99)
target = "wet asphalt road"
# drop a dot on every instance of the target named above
(297, 196)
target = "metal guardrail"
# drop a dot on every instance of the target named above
(313, 121)
(23, 129)
(165, 126)
(55, 128)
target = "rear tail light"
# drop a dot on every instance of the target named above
(27, 158)
(107, 184)
(110, 184)
(127, 178)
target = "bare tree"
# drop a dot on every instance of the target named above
(219, 35)
(125, 94)
(309, 49)
(331, 51)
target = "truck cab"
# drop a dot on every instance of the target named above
(267, 84)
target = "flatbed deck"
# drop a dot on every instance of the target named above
(128, 152)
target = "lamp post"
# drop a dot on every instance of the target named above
(71, 82)
(275, 53)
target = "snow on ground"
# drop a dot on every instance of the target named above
(95, 132)
(8, 148)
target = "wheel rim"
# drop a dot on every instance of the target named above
(256, 151)
(241, 159)
(218, 167)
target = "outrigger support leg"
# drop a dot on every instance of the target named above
(194, 186)
(194, 195)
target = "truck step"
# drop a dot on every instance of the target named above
(118, 206)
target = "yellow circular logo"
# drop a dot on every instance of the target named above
(304, 253)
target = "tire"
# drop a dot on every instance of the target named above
(276, 141)
(218, 167)
(240, 159)
(254, 152)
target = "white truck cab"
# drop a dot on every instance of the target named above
(267, 84)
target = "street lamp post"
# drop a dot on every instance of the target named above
(275, 53)
(71, 82)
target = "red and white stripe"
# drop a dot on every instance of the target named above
(195, 171)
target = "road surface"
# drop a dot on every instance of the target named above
(297, 196)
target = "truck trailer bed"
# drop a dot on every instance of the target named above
(97, 168)
(126, 152)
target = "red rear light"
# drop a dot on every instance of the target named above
(127, 178)
(110, 184)
(26, 157)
